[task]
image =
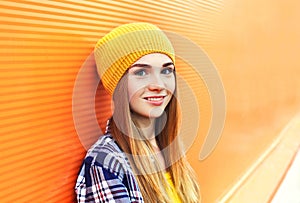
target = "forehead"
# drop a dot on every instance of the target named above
(154, 59)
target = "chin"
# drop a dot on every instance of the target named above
(156, 113)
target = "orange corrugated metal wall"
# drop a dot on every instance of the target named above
(44, 45)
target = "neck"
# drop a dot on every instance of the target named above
(147, 126)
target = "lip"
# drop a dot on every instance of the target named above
(155, 100)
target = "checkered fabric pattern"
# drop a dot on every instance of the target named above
(106, 175)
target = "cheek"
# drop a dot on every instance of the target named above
(171, 85)
(134, 93)
(136, 86)
(136, 104)
(131, 91)
(133, 101)
(133, 88)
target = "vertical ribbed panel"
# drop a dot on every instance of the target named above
(43, 46)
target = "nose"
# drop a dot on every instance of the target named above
(156, 83)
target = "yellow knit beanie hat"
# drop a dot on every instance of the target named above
(124, 45)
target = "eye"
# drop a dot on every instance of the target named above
(167, 71)
(140, 72)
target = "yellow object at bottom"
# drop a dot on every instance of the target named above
(172, 192)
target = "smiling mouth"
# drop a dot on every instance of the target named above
(154, 98)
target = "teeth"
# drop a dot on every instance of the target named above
(154, 98)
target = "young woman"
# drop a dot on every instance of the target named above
(139, 158)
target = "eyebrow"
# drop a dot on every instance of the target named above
(168, 64)
(142, 65)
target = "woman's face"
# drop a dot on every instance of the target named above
(151, 84)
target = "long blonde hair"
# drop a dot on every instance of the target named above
(149, 174)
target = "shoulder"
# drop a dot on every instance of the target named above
(106, 176)
(106, 153)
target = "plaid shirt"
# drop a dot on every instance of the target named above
(106, 175)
